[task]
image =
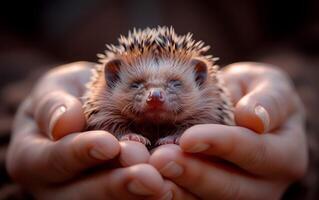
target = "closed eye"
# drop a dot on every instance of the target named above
(136, 85)
(175, 83)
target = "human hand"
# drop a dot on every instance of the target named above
(232, 162)
(63, 169)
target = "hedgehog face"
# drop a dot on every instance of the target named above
(156, 91)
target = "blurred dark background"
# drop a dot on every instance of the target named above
(36, 35)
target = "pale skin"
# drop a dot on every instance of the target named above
(263, 165)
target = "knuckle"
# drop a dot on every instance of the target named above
(277, 72)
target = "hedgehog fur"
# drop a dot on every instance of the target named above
(153, 55)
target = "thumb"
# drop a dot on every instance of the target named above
(264, 108)
(58, 114)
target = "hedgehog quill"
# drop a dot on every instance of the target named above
(154, 85)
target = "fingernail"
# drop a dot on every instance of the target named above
(172, 170)
(136, 187)
(54, 118)
(167, 196)
(96, 153)
(262, 113)
(199, 147)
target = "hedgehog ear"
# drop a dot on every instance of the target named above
(201, 71)
(111, 71)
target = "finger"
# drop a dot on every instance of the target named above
(36, 158)
(55, 100)
(263, 96)
(78, 152)
(265, 155)
(140, 181)
(133, 153)
(208, 180)
(265, 106)
(58, 114)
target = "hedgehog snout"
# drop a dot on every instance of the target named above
(156, 97)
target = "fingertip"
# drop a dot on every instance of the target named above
(199, 138)
(164, 154)
(103, 145)
(133, 153)
(169, 160)
(144, 180)
(251, 115)
(70, 120)
(186, 141)
(58, 114)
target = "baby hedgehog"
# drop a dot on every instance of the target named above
(153, 86)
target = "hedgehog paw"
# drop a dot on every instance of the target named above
(136, 138)
(171, 139)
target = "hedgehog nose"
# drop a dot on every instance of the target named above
(155, 97)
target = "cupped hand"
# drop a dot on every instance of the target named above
(233, 162)
(74, 164)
